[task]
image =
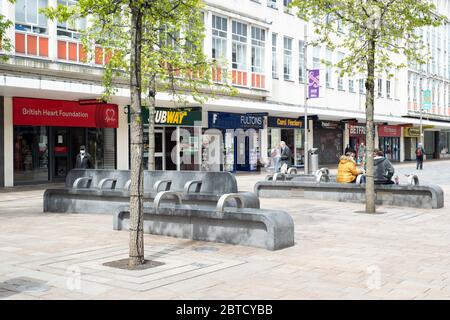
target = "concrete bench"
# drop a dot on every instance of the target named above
(321, 175)
(430, 196)
(269, 229)
(102, 190)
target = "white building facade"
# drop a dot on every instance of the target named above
(262, 44)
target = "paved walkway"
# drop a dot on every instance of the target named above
(339, 254)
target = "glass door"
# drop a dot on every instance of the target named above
(60, 153)
(159, 150)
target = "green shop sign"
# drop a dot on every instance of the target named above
(173, 117)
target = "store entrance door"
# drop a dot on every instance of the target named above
(64, 147)
(160, 163)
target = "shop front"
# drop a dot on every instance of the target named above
(389, 141)
(182, 125)
(411, 137)
(357, 135)
(328, 138)
(48, 135)
(289, 130)
(241, 139)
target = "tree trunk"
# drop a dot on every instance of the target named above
(370, 86)
(136, 254)
(151, 122)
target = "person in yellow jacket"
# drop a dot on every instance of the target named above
(347, 171)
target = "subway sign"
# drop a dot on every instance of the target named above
(174, 117)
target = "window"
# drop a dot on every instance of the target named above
(388, 89)
(286, 4)
(340, 79)
(258, 49)
(351, 87)
(274, 56)
(316, 57)
(362, 86)
(70, 29)
(287, 58)
(28, 17)
(340, 27)
(414, 88)
(239, 45)
(272, 3)
(328, 70)
(219, 37)
(301, 62)
(380, 88)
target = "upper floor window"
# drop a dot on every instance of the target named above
(287, 58)
(361, 86)
(328, 71)
(388, 89)
(272, 3)
(28, 17)
(219, 37)
(286, 4)
(301, 61)
(258, 49)
(239, 45)
(380, 88)
(351, 87)
(340, 80)
(274, 56)
(316, 57)
(70, 29)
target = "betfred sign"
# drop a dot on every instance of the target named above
(389, 131)
(61, 113)
(356, 130)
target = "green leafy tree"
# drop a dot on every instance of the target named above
(5, 42)
(157, 46)
(378, 32)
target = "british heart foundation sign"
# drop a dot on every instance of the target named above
(61, 113)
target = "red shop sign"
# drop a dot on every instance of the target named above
(389, 131)
(61, 113)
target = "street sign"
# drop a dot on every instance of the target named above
(426, 101)
(313, 83)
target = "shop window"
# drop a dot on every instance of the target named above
(31, 154)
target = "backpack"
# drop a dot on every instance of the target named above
(419, 152)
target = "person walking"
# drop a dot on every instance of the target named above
(361, 154)
(285, 156)
(276, 157)
(84, 159)
(420, 151)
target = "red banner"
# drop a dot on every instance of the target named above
(61, 113)
(389, 131)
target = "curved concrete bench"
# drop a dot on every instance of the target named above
(269, 229)
(93, 196)
(431, 196)
(319, 176)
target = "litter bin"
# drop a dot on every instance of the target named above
(313, 160)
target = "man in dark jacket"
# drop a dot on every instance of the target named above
(383, 169)
(285, 154)
(84, 159)
(420, 151)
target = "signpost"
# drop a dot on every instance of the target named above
(313, 83)
(425, 105)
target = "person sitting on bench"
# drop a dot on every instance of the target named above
(347, 171)
(383, 169)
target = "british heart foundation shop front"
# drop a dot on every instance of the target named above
(48, 135)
